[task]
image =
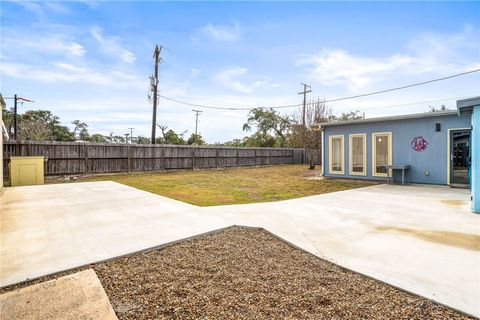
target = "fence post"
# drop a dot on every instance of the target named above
(128, 158)
(236, 156)
(162, 155)
(193, 158)
(85, 155)
(216, 157)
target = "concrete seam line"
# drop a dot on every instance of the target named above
(365, 275)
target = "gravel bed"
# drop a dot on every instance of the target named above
(243, 273)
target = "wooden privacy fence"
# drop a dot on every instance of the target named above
(70, 158)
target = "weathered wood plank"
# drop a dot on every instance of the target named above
(70, 158)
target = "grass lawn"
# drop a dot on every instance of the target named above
(233, 186)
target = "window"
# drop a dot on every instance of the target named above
(381, 152)
(336, 156)
(358, 154)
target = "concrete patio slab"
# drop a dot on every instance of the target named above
(76, 296)
(420, 238)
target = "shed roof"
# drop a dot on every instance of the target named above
(465, 106)
(390, 118)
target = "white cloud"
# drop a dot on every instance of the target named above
(57, 7)
(335, 66)
(427, 53)
(66, 72)
(231, 78)
(40, 8)
(45, 43)
(112, 46)
(194, 72)
(32, 6)
(220, 32)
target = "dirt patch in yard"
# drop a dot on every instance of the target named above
(450, 238)
(250, 274)
(453, 202)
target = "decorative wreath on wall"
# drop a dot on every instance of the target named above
(419, 144)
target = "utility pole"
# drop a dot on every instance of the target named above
(197, 113)
(304, 92)
(15, 99)
(154, 88)
(131, 134)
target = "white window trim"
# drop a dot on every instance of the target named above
(330, 138)
(374, 146)
(350, 154)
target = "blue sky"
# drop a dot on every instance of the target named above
(91, 60)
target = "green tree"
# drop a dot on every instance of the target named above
(269, 125)
(37, 125)
(235, 143)
(143, 140)
(7, 117)
(62, 133)
(81, 130)
(98, 138)
(171, 137)
(258, 139)
(196, 139)
(352, 115)
(117, 139)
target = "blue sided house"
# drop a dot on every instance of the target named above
(434, 148)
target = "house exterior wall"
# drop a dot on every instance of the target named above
(475, 152)
(432, 160)
(2, 105)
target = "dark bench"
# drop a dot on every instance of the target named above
(403, 167)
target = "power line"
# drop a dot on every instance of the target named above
(326, 101)
(404, 87)
(221, 108)
(411, 103)
(15, 99)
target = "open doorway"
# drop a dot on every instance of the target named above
(460, 160)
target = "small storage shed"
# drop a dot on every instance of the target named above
(439, 147)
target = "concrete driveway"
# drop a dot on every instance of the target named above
(419, 238)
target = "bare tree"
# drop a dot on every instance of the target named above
(308, 136)
(34, 130)
(163, 128)
(438, 109)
